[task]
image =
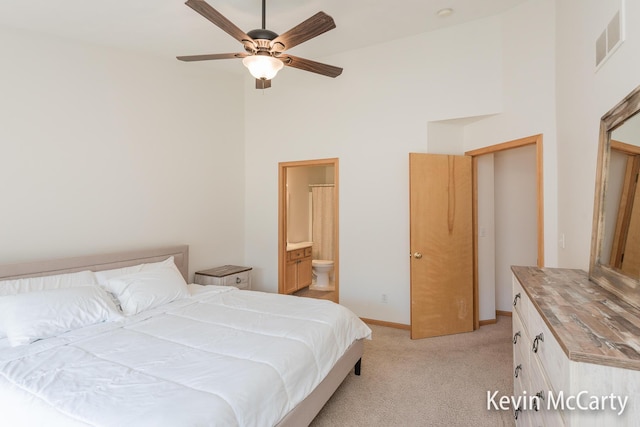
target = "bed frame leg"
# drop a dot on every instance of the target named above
(358, 366)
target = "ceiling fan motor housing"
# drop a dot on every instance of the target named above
(261, 42)
(262, 33)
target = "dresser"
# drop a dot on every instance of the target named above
(225, 275)
(576, 352)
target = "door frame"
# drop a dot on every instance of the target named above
(282, 218)
(530, 140)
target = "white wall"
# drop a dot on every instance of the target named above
(583, 96)
(516, 209)
(104, 150)
(445, 137)
(370, 117)
(529, 100)
(486, 238)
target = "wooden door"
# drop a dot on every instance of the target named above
(631, 254)
(441, 234)
(625, 252)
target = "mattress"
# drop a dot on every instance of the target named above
(223, 357)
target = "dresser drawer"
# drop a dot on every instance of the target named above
(520, 300)
(548, 353)
(521, 369)
(537, 407)
(548, 415)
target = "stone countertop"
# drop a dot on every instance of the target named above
(298, 245)
(591, 324)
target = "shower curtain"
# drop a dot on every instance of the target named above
(322, 222)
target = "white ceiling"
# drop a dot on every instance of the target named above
(169, 28)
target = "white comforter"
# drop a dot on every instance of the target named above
(223, 357)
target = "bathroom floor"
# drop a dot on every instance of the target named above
(310, 293)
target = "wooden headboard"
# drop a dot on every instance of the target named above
(98, 262)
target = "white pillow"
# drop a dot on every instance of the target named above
(144, 290)
(31, 316)
(58, 281)
(105, 275)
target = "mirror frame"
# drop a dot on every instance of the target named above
(625, 287)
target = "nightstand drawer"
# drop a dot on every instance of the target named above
(226, 275)
(239, 280)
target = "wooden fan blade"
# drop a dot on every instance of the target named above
(212, 56)
(309, 65)
(263, 84)
(312, 27)
(204, 9)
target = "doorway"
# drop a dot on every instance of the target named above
(308, 225)
(481, 254)
(492, 276)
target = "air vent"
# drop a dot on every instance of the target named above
(611, 38)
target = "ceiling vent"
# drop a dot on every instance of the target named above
(611, 37)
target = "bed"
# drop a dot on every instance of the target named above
(114, 353)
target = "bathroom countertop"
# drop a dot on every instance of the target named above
(298, 245)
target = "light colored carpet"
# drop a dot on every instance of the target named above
(440, 381)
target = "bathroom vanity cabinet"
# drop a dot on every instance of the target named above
(575, 347)
(298, 271)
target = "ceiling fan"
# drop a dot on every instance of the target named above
(264, 50)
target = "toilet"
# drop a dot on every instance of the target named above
(321, 269)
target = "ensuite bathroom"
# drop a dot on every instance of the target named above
(310, 229)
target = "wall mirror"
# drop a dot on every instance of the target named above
(615, 243)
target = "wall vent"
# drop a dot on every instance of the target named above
(611, 37)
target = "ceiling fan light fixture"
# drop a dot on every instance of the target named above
(264, 67)
(443, 13)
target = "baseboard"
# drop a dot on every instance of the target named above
(388, 324)
(408, 327)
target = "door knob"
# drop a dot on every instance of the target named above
(417, 255)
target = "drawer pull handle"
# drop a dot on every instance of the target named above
(516, 412)
(238, 280)
(540, 396)
(515, 337)
(518, 369)
(536, 342)
(515, 300)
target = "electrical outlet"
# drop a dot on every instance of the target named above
(384, 299)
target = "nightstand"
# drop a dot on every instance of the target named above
(226, 275)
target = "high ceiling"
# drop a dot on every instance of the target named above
(169, 28)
